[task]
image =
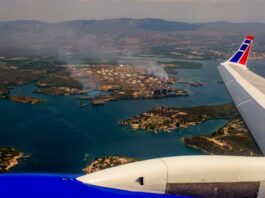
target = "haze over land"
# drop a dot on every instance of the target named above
(105, 38)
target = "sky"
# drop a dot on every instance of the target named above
(174, 10)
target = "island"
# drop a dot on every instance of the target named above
(26, 100)
(167, 119)
(9, 157)
(232, 139)
(107, 162)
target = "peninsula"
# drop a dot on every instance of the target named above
(232, 139)
(107, 162)
(26, 100)
(166, 119)
(48, 75)
(9, 158)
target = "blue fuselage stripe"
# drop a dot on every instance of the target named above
(247, 41)
(236, 57)
(243, 47)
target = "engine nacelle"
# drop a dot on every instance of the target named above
(199, 176)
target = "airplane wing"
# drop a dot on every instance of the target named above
(247, 90)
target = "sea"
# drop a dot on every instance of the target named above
(60, 137)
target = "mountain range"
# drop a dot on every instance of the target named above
(36, 38)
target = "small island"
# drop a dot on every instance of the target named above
(232, 139)
(107, 162)
(26, 100)
(9, 157)
(166, 119)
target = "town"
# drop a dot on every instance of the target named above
(166, 119)
(123, 82)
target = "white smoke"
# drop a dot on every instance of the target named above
(152, 68)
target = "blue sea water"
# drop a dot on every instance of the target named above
(61, 137)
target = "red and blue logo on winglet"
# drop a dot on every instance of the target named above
(241, 56)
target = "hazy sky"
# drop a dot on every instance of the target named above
(176, 10)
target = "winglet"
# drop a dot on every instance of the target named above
(242, 54)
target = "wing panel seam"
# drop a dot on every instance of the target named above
(244, 102)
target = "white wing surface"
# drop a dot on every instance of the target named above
(247, 90)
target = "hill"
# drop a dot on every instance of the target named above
(117, 36)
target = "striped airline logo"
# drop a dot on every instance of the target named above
(241, 56)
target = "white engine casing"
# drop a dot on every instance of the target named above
(159, 173)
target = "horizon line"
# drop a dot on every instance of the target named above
(125, 18)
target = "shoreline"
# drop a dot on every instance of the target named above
(168, 119)
(14, 161)
(231, 139)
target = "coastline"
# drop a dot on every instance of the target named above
(231, 139)
(168, 119)
(14, 161)
(107, 162)
(9, 158)
(68, 108)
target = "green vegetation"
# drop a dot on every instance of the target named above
(165, 119)
(31, 63)
(48, 74)
(188, 52)
(231, 139)
(180, 64)
(107, 162)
